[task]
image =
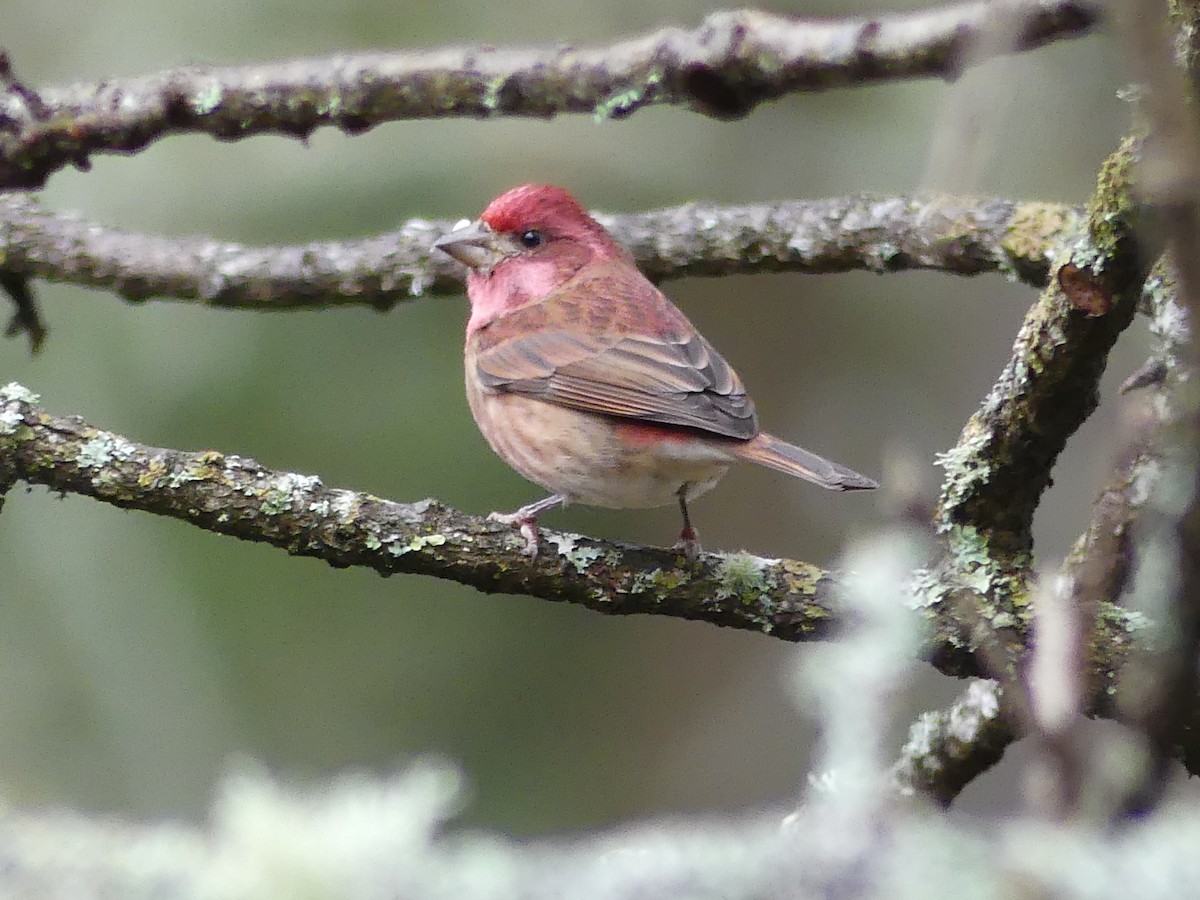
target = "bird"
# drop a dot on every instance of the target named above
(589, 382)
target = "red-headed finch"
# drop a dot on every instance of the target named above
(588, 381)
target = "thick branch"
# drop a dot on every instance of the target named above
(838, 235)
(239, 497)
(734, 61)
(996, 474)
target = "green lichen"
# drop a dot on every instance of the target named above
(964, 465)
(283, 493)
(186, 474)
(420, 542)
(1112, 208)
(345, 506)
(1037, 233)
(625, 102)
(745, 577)
(928, 589)
(10, 419)
(15, 392)
(492, 92)
(274, 501)
(1000, 581)
(577, 556)
(659, 581)
(206, 101)
(801, 578)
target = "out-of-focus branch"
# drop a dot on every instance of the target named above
(26, 318)
(732, 62)
(1162, 707)
(947, 749)
(881, 234)
(1099, 566)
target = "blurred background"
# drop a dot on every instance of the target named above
(142, 659)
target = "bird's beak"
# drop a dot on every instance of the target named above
(474, 245)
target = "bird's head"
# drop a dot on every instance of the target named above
(529, 241)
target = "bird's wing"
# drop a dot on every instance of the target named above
(609, 342)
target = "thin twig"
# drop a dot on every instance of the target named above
(732, 62)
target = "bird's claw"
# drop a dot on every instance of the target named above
(528, 528)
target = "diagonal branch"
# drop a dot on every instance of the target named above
(947, 749)
(237, 496)
(732, 62)
(881, 234)
(997, 472)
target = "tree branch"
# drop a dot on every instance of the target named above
(946, 750)
(997, 472)
(880, 234)
(732, 62)
(1163, 709)
(237, 496)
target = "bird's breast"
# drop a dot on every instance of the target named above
(594, 459)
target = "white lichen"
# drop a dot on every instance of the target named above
(103, 449)
(570, 549)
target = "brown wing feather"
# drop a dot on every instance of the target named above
(634, 355)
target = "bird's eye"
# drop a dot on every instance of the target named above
(532, 238)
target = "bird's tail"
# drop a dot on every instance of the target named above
(768, 450)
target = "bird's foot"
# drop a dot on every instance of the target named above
(527, 525)
(689, 544)
(526, 518)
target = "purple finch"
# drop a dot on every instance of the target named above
(588, 381)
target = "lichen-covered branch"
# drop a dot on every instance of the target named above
(947, 749)
(237, 496)
(732, 62)
(997, 472)
(882, 234)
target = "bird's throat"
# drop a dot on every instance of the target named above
(509, 286)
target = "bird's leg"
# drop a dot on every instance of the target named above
(689, 541)
(526, 518)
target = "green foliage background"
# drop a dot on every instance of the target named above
(142, 658)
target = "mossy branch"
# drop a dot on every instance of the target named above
(997, 472)
(724, 68)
